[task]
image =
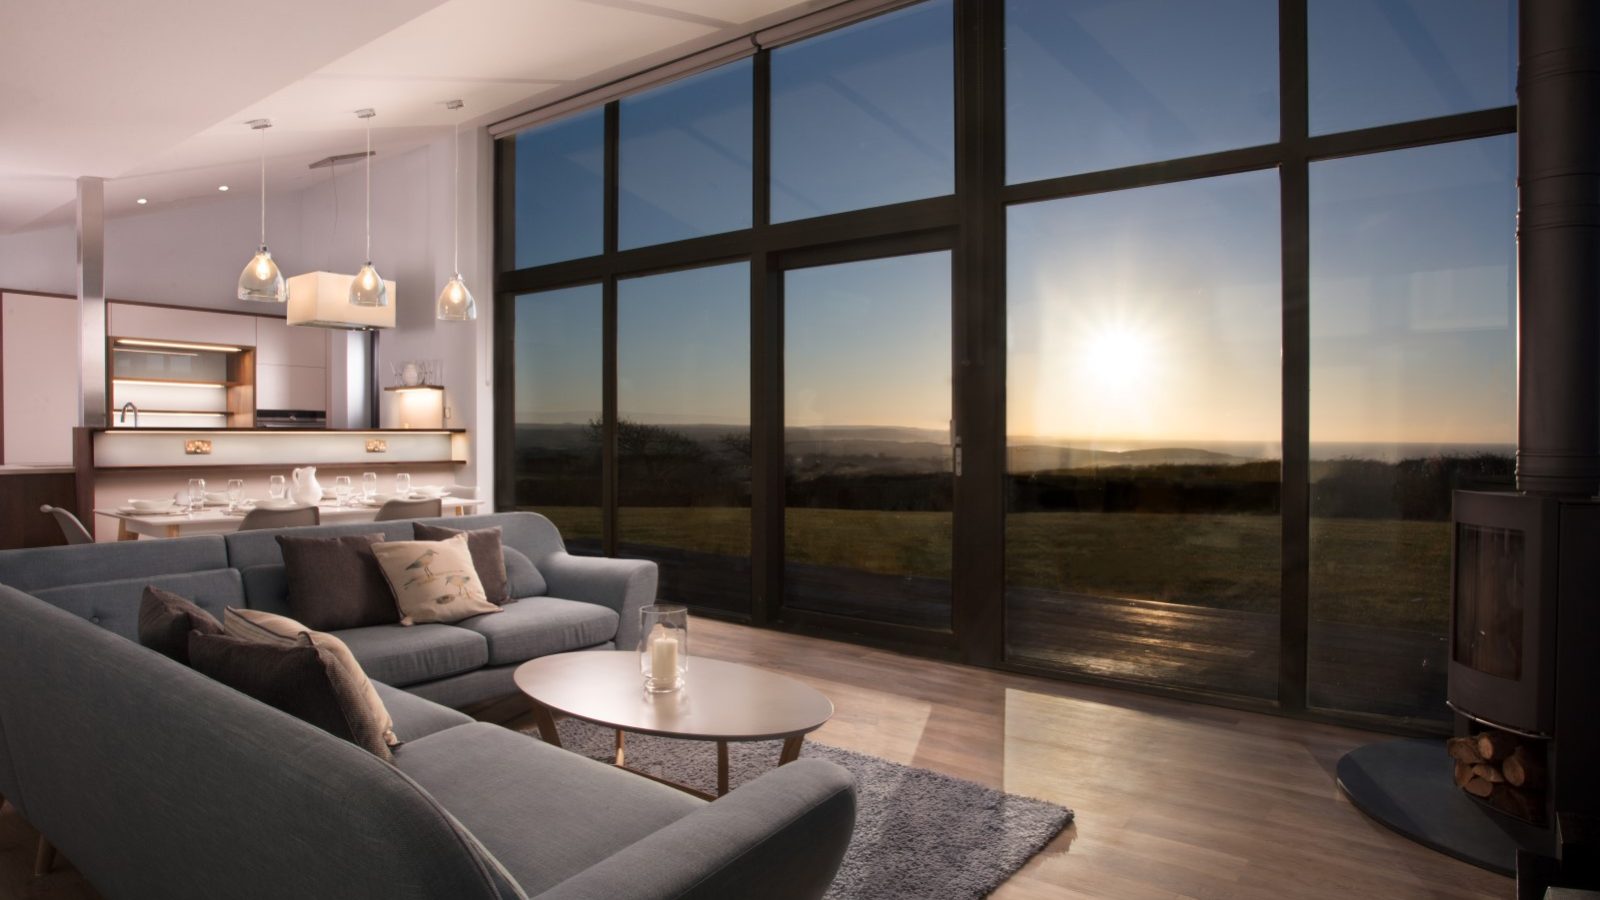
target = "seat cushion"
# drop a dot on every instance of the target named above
(415, 717)
(401, 655)
(543, 812)
(540, 626)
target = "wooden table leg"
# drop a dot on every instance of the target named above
(621, 756)
(172, 531)
(722, 768)
(791, 749)
(547, 724)
(123, 533)
(45, 860)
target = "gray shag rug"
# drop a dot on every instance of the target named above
(919, 834)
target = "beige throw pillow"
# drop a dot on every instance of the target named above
(370, 720)
(433, 581)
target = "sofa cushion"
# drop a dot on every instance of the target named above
(114, 605)
(433, 581)
(165, 620)
(540, 626)
(38, 568)
(543, 812)
(398, 655)
(415, 717)
(369, 719)
(522, 576)
(531, 534)
(301, 678)
(335, 582)
(488, 558)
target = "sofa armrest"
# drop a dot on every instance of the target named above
(779, 837)
(623, 585)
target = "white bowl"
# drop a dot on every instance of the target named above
(428, 491)
(151, 505)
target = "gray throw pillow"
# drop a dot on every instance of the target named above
(299, 678)
(165, 620)
(334, 582)
(488, 558)
(523, 578)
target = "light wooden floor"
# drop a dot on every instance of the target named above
(1174, 799)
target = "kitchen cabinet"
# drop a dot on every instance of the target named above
(39, 369)
(279, 344)
(291, 387)
(162, 323)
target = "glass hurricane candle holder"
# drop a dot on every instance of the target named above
(664, 646)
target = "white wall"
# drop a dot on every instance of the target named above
(191, 255)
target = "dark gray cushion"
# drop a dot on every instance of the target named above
(488, 561)
(301, 679)
(544, 813)
(335, 583)
(267, 588)
(522, 576)
(38, 568)
(539, 626)
(415, 717)
(166, 619)
(533, 535)
(260, 548)
(400, 655)
(114, 605)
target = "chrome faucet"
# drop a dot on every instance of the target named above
(122, 418)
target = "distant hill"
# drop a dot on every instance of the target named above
(1047, 458)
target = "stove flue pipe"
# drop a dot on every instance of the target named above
(1558, 247)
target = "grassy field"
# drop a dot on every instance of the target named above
(1372, 571)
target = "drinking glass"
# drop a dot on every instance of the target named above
(235, 493)
(369, 485)
(277, 488)
(197, 493)
(664, 648)
(402, 485)
(341, 489)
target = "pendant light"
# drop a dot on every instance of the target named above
(261, 281)
(368, 288)
(455, 301)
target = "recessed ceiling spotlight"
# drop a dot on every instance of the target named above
(222, 187)
(141, 201)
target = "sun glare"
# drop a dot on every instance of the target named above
(1119, 358)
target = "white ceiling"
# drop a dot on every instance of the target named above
(153, 95)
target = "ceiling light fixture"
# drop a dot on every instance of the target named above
(455, 301)
(222, 187)
(261, 281)
(368, 288)
(141, 201)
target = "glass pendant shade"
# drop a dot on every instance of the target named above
(455, 301)
(368, 289)
(261, 281)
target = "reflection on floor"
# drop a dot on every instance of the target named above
(1174, 799)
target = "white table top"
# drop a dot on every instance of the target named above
(217, 520)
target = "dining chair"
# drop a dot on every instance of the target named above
(71, 528)
(280, 518)
(410, 509)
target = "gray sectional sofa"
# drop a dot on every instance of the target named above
(158, 782)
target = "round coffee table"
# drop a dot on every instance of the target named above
(720, 701)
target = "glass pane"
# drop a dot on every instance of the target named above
(683, 439)
(867, 439)
(1143, 434)
(865, 115)
(684, 158)
(560, 190)
(1376, 62)
(1413, 383)
(1489, 573)
(557, 411)
(1096, 85)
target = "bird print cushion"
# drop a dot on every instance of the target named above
(433, 581)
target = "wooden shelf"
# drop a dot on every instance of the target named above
(416, 387)
(176, 381)
(185, 412)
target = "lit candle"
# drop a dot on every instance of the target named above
(664, 659)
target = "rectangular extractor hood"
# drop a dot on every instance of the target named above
(322, 299)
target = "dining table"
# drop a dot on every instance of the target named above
(218, 519)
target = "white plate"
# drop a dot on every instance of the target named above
(276, 504)
(151, 505)
(133, 511)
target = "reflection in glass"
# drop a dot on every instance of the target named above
(1376, 62)
(556, 408)
(867, 439)
(684, 158)
(1413, 379)
(683, 435)
(1092, 85)
(560, 190)
(1143, 427)
(865, 115)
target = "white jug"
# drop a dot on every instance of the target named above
(305, 490)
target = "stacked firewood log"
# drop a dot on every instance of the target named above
(1502, 769)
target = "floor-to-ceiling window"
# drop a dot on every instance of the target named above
(1139, 340)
